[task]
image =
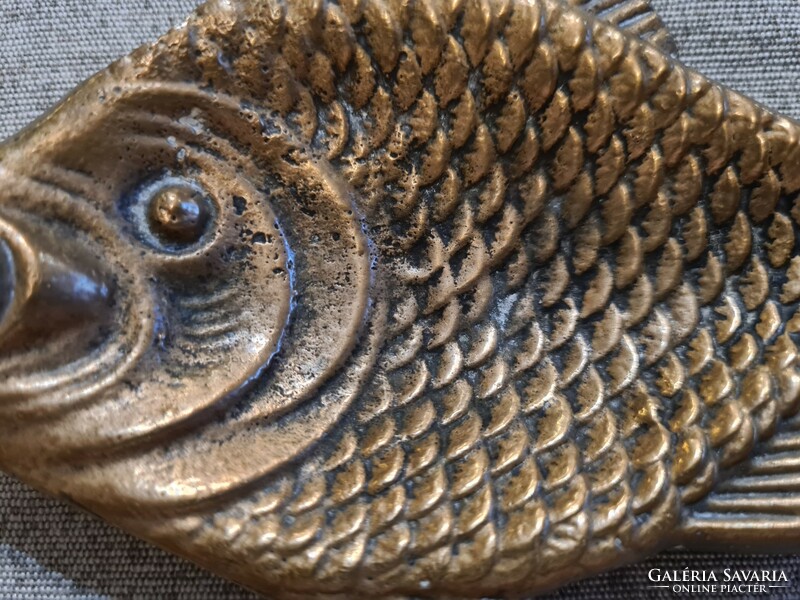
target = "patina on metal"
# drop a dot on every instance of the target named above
(430, 298)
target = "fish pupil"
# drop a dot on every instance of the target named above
(179, 214)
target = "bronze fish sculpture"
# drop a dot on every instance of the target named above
(424, 298)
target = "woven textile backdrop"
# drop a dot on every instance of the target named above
(50, 551)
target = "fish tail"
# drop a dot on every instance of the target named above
(756, 506)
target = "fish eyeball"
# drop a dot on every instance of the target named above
(179, 214)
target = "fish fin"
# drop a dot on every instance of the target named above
(756, 505)
(635, 16)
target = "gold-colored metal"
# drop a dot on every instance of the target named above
(426, 298)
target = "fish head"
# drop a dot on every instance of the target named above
(155, 240)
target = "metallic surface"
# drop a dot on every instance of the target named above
(431, 299)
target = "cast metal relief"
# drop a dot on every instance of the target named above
(427, 298)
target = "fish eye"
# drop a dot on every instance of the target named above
(178, 214)
(173, 214)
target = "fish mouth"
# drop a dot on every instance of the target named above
(45, 290)
(60, 305)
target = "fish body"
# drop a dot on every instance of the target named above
(426, 299)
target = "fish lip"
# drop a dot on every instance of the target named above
(7, 282)
(18, 275)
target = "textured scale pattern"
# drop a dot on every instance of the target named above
(585, 292)
(563, 369)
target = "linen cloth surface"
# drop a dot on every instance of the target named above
(50, 551)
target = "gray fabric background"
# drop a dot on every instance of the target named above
(51, 551)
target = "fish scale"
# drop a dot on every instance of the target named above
(581, 319)
(443, 497)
